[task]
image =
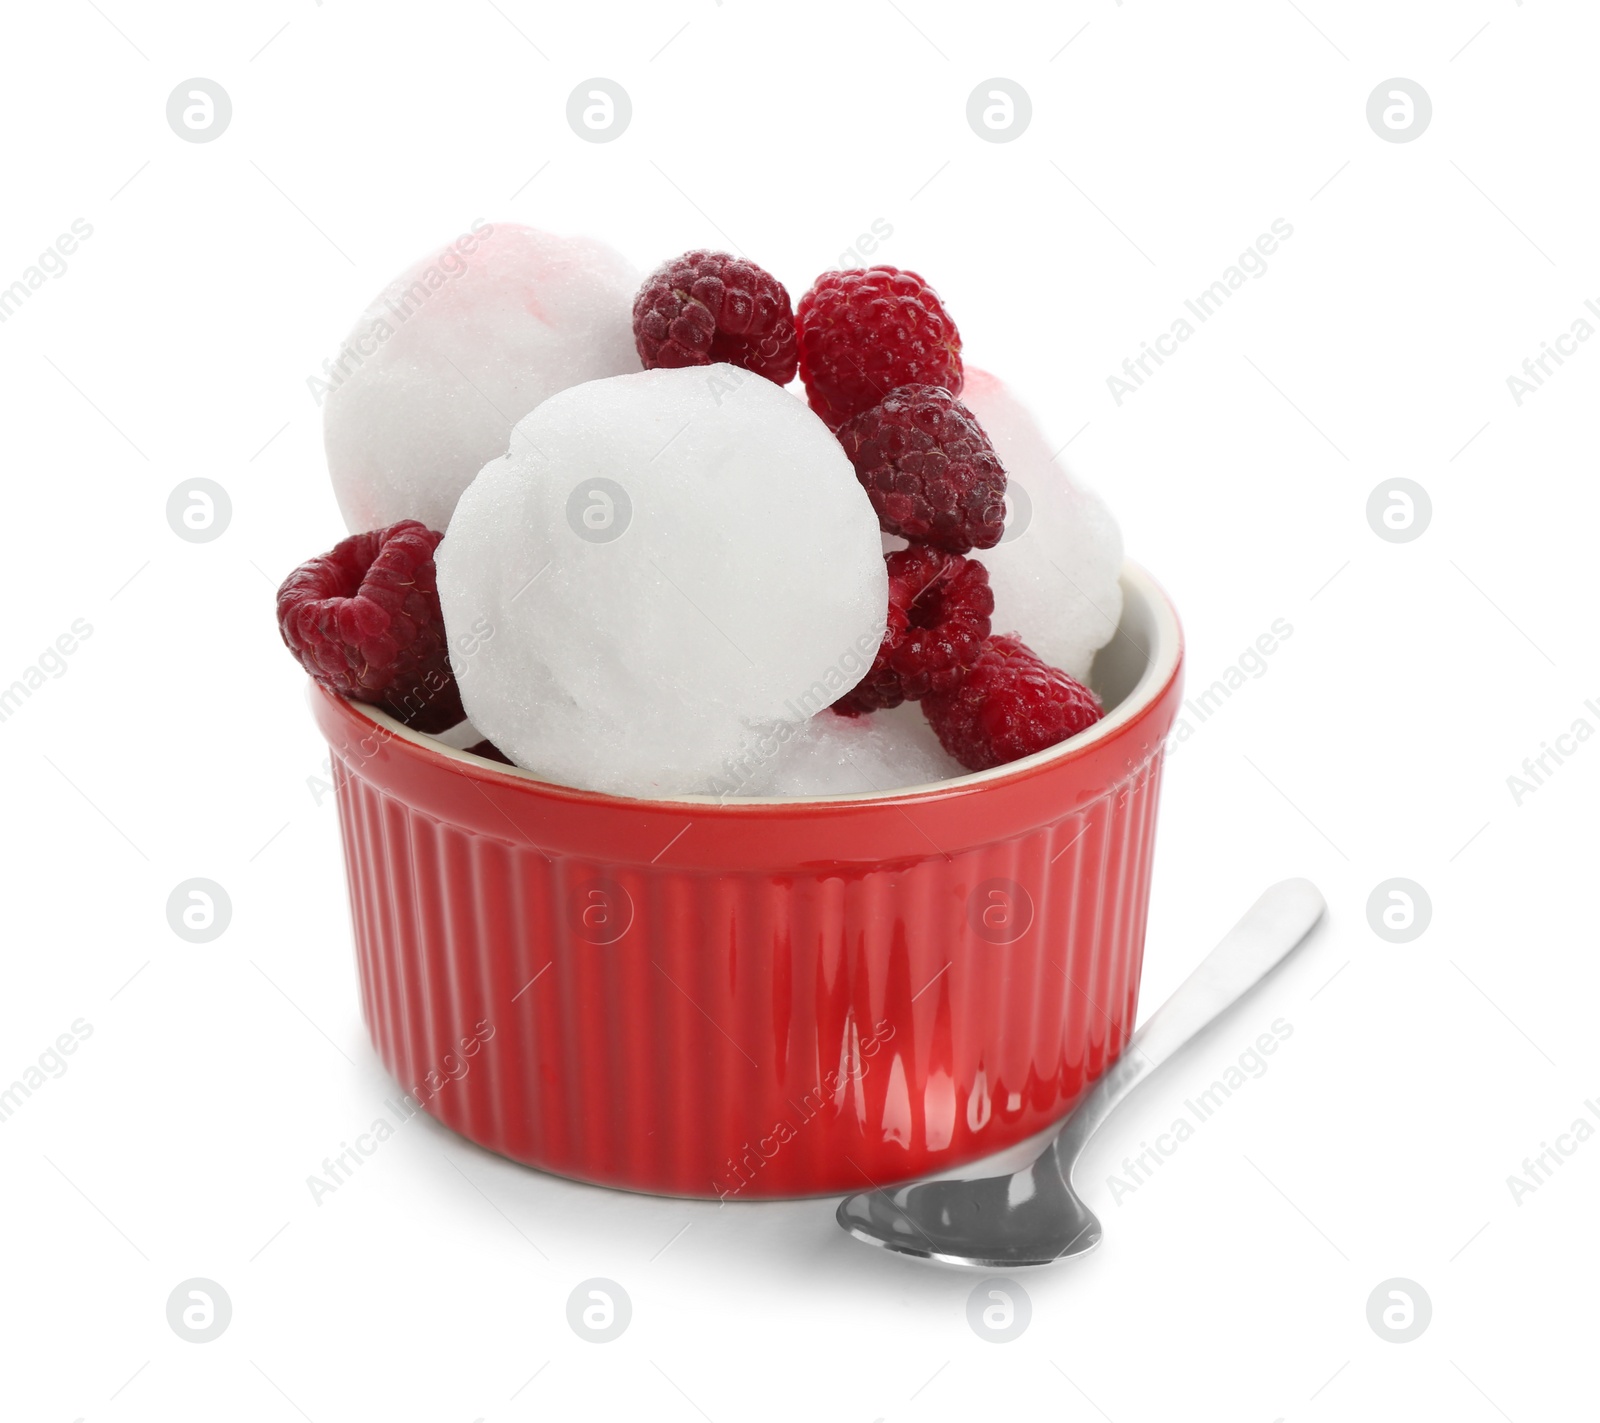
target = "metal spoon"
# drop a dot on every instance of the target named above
(1034, 1217)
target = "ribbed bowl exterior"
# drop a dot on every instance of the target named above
(745, 1001)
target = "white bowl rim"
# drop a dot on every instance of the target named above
(1161, 660)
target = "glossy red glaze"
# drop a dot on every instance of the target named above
(761, 998)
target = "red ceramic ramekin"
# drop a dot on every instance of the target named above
(758, 998)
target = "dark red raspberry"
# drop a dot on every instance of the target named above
(707, 306)
(364, 620)
(490, 752)
(939, 607)
(930, 471)
(1009, 705)
(864, 333)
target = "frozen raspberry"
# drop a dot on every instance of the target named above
(364, 621)
(930, 471)
(865, 333)
(489, 751)
(707, 306)
(939, 607)
(1009, 705)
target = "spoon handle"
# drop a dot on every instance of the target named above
(1276, 924)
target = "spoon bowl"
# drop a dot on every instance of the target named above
(1033, 1216)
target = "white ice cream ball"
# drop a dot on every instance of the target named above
(832, 755)
(1055, 572)
(460, 737)
(457, 349)
(665, 565)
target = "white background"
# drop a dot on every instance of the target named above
(1165, 137)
